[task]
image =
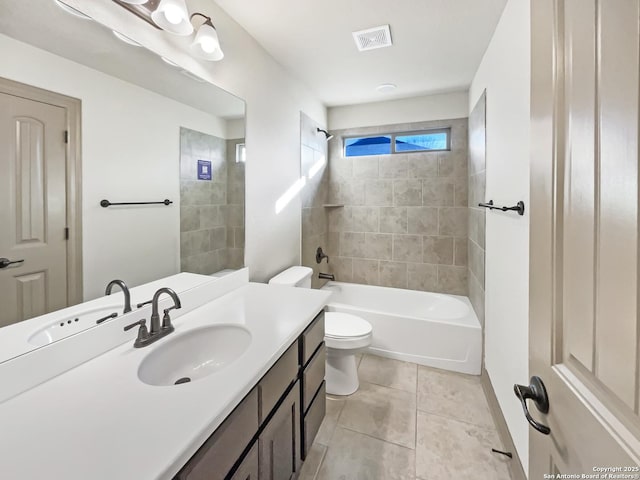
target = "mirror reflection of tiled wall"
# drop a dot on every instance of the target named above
(211, 210)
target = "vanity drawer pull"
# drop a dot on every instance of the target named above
(313, 376)
(311, 338)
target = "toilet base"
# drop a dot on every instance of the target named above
(342, 372)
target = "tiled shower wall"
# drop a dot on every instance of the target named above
(404, 219)
(235, 205)
(313, 156)
(211, 212)
(477, 189)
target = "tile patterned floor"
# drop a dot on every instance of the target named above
(407, 422)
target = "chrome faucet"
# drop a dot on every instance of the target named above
(157, 331)
(125, 291)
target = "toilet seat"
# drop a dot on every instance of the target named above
(345, 331)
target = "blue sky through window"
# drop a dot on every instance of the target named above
(409, 142)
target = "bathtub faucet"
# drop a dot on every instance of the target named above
(327, 276)
(320, 255)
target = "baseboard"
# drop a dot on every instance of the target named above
(515, 465)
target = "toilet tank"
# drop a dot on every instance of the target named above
(294, 277)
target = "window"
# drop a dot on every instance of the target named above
(424, 141)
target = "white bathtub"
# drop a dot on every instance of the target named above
(430, 329)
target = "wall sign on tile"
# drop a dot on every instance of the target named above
(204, 170)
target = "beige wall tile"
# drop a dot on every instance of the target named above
(365, 167)
(422, 220)
(438, 192)
(378, 246)
(422, 165)
(407, 248)
(365, 271)
(393, 274)
(460, 254)
(393, 219)
(407, 192)
(476, 296)
(452, 280)
(393, 166)
(422, 277)
(352, 244)
(342, 268)
(364, 219)
(453, 221)
(438, 250)
(379, 192)
(476, 262)
(452, 164)
(461, 191)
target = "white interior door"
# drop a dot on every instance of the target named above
(33, 208)
(584, 333)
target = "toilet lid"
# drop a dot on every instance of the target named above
(345, 325)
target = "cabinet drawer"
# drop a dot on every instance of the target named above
(313, 376)
(216, 457)
(248, 469)
(313, 419)
(311, 338)
(277, 380)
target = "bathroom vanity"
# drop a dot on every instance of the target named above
(251, 411)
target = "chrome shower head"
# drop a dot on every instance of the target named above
(326, 134)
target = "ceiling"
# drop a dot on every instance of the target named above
(437, 44)
(45, 25)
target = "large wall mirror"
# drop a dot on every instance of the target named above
(87, 115)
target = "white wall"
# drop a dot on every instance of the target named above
(274, 101)
(405, 110)
(130, 152)
(505, 74)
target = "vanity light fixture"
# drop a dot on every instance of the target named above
(206, 45)
(173, 16)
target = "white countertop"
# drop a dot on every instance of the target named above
(99, 421)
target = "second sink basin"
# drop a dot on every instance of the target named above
(194, 355)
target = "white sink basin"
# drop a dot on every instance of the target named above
(194, 355)
(71, 324)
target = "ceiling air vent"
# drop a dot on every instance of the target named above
(372, 38)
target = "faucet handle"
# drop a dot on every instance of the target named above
(166, 319)
(143, 332)
(140, 305)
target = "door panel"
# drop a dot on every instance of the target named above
(33, 208)
(584, 334)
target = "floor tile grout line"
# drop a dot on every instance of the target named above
(449, 417)
(376, 438)
(324, 455)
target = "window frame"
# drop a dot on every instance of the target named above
(393, 136)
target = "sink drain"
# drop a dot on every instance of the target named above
(182, 380)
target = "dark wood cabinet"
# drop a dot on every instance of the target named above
(279, 442)
(264, 437)
(248, 469)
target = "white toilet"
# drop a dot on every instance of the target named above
(344, 336)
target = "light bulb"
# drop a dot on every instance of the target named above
(173, 14)
(208, 44)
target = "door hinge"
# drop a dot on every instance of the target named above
(66, 233)
(66, 136)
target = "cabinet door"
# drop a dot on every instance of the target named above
(248, 469)
(279, 443)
